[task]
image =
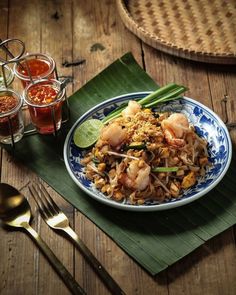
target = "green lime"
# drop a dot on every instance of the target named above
(87, 133)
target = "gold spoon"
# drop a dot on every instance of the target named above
(15, 212)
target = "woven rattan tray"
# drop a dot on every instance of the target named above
(201, 30)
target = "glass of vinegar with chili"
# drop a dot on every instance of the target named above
(34, 67)
(44, 99)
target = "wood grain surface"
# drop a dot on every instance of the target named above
(91, 35)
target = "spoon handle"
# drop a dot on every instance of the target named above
(68, 279)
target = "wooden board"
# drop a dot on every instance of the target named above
(93, 31)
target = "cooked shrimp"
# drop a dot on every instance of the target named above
(137, 177)
(114, 134)
(175, 127)
(132, 108)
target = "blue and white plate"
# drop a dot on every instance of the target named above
(207, 124)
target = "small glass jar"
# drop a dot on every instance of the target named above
(11, 121)
(44, 99)
(34, 67)
(9, 76)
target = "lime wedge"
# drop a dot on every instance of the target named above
(87, 133)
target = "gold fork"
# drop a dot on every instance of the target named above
(56, 219)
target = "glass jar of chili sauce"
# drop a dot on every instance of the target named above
(11, 121)
(44, 99)
(35, 67)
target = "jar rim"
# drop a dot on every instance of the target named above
(31, 56)
(54, 82)
(19, 101)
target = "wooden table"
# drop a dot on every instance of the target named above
(72, 31)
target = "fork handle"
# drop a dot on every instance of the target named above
(101, 271)
(68, 279)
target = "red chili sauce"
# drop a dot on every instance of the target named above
(36, 66)
(7, 103)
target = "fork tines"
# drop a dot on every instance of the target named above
(44, 201)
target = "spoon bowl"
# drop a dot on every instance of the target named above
(14, 207)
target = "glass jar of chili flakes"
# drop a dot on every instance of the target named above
(34, 67)
(11, 121)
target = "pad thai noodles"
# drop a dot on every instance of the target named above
(146, 156)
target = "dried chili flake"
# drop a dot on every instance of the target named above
(7, 103)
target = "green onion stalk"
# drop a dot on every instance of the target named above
(165, 169)
(166, 93)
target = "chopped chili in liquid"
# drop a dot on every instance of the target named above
(42, 94)
(42, 117)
